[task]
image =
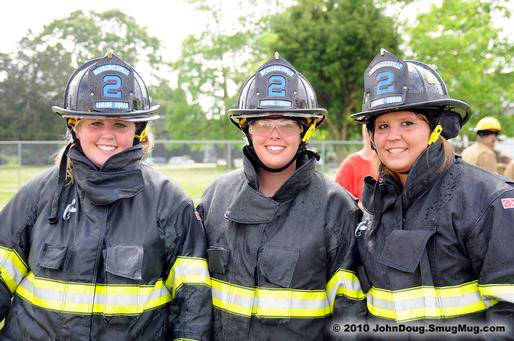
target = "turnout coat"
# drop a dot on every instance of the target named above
(282, 266)
(124, 260)
(441, 249)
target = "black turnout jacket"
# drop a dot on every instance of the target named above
(441, 250)
(281, 266)
(124, 260)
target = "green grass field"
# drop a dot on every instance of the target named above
(192, 180)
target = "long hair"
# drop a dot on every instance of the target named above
(146, 142)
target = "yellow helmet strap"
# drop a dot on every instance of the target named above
(436, 133)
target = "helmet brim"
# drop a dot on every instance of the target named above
(132, 116)
(454, 105)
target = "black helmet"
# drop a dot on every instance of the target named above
(277, 89)
(392, 84)
(108, 88)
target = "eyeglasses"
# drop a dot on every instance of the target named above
(285, 127)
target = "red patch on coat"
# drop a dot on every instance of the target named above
(508, 203)
(197, 215)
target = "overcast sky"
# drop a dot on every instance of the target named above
(170, 21)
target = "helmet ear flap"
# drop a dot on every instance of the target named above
(451, 123)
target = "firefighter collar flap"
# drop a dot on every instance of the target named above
(119, 178)
(251, 207)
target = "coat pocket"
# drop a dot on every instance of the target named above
(52, 256)
(124, 260)
(218, 258)
(403, 249)
(276, 265)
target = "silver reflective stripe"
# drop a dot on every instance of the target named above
(12, 268)
(426, 302)
(84, 298)
(344, 283)
(188, 270)
(500, 292)
(269, 302)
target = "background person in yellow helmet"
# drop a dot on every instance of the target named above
(481, 153)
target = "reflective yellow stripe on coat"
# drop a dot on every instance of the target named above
(12, 268)
(110, 299)
(500, 292)
(427, 302)
(188, 270)
(84, 298)
(282, 303)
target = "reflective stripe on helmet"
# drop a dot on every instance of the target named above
(279, 303)
(85, 298)
(12, 268)
(427, 302)
(187, 270)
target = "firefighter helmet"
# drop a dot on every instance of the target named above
(392, 84)
(488, 123)
(107, 88)
(277, 89)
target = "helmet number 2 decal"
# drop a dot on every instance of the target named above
(112, 86)
(385, 82)
(277, 86)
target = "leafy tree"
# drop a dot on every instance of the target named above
(215, 63)
(474, 56)
(34, 78)
(332, 42)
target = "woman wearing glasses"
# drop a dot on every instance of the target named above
(279, 233)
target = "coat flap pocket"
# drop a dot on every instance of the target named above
(277, 265)
(218, 258)
(124, 260)
(52, 256)
(403, 249)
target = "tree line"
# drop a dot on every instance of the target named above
(330, 41)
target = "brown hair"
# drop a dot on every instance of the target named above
(146, 142)
(448, 152)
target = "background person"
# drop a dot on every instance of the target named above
(280, 234)
(102, 247)
(355, 167)
(481, 153)
(436, 241)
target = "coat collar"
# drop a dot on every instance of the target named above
(119, 178)
(378, 195)
(252, 207)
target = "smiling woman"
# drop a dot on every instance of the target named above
(105, 233)
(432, 221)
(102, 138)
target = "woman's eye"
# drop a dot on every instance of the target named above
(97, 124)
(382, 126)
(120, 125)
(407, 123)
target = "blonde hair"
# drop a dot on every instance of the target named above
(146, 142)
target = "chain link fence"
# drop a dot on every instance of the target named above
(20, 161)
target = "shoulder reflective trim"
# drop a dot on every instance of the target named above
(83, 298)
(12, 268)
(427, 302)
(182, 339)
(269, 302)
(500, 292)
(188, 270)
(344, 283)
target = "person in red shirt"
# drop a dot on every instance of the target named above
(355, 167)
